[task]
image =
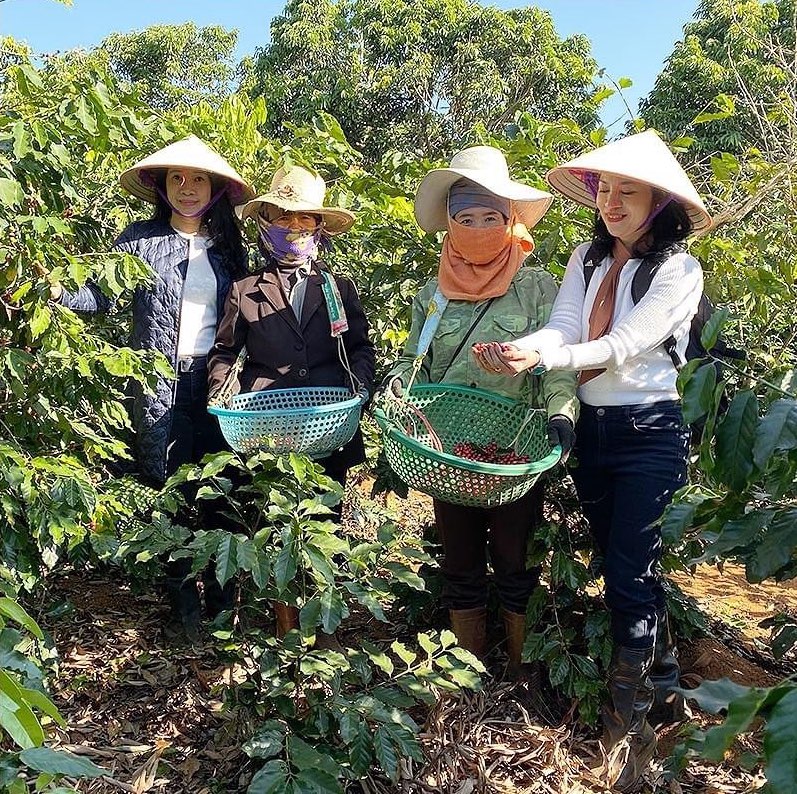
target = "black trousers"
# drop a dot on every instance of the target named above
(194, 434)
(469, 533)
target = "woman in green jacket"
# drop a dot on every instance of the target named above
(486, 290)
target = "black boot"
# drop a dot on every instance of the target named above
(218, 599)
(628, 739)
(184, 601)
(668, 706)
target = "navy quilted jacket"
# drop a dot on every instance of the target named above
(156, 326)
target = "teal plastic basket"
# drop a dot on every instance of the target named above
(461, 413)
(314, 421)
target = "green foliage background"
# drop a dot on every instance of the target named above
(71, 124)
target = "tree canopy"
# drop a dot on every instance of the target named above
(420, 76)
(735, 69)
(174, 64)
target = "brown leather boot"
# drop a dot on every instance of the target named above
(470, 627)
(287, 618)
(515, 627)
(528, 675)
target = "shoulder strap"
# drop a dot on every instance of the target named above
(338, 323)
(434, 311)
(643, 278)
(465, 338)
(640, 284)
(590, 263)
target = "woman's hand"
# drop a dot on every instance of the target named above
(504, 358)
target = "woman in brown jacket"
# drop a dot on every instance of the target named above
(280, 314)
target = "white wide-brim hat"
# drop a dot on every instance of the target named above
(486, 166)
(298, 190)
(190, 152)
(643, 157)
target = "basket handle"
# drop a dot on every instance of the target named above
(223, 397)
(395, 406)
(530, 415)
(436, 443)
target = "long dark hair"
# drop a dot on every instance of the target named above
(666, 235)
(220, 221)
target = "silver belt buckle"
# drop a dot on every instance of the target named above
(185, 363)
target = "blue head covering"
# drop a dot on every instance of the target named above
(464, 194)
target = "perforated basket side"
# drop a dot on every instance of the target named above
(314, 421)
(459, 413)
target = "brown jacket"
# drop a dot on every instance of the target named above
(285, 353)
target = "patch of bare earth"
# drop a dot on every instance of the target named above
(153, 715)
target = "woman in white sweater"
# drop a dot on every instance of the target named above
(631, 450)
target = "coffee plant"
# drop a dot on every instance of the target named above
(26, 710)
(325, 712)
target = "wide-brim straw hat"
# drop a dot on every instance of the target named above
(296, 189)
(190, 152)
(486, 166)
(643, 157)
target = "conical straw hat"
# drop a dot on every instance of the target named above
(190, 152)
(486, 166)
(298, 190)
(643, 157)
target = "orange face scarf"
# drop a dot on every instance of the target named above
(477, 264)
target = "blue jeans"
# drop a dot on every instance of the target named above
(630, 461)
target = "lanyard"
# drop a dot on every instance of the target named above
(338, 324)
(434, 311)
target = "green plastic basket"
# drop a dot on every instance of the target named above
(314, 421)
(460, 413)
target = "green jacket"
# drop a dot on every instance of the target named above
(524, 308)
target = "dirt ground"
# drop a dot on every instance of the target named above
(155, 715)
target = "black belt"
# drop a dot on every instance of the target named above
(190, 363)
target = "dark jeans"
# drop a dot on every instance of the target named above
(630, 461)
(466, 534)
(194, 434)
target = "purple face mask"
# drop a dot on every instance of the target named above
(291, 247)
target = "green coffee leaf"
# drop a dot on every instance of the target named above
(61, 762)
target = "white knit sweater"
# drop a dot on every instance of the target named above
(638, 369)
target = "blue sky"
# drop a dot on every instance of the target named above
(630, 38)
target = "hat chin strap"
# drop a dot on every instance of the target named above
(200, 212)
(656, 210)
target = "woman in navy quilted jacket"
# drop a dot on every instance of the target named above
(194, 246)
